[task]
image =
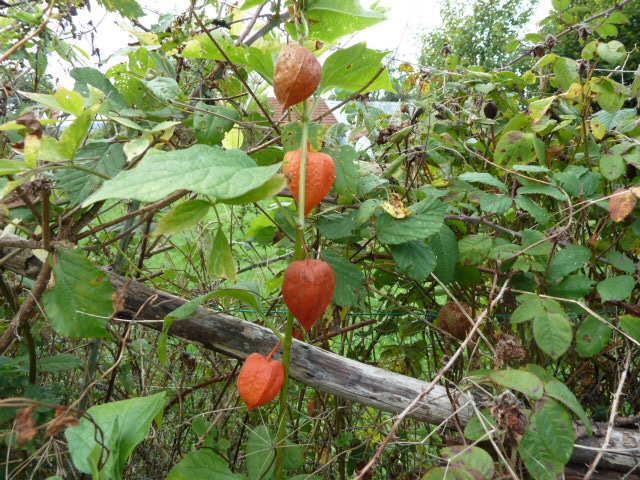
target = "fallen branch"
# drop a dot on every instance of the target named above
(328, 372)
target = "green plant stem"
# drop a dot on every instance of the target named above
(303, 181)
(287, 344)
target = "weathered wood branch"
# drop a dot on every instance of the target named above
(323, 370)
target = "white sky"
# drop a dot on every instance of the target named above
(406, 18)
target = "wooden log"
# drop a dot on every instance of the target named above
(323, 370)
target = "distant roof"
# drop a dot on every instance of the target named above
(320, 109)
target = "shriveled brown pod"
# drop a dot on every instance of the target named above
(297, 76)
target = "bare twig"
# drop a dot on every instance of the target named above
(33, 34)
(18, 322)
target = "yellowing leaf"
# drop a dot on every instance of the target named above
(396, 208)
(598, 129)
(621, 204)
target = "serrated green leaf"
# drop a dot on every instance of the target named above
(515, 147)
(335, 226)
(59, 363)
(552, 332)
(531, 305)
(445, 246)
(495, 204)
(592, 337)
(548, 442)
(612, 52)
(415, 259)
(349, 279)
(80, 302)
(484, 178)
(475, 248)
(616, 288)
(572, 287)
(631, 326)
(427, 221)
(540, 214)
(347, 174)
(566, 72)
(612, 166)
(621, 262)
(568, 260)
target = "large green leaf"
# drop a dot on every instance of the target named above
(445, 246)
(123, 425)
(592, 337)
(559, 391)
(261, 453)
(59, 363)
(469, 457)
(568, 260)
(525, 382)
(223, 174)
(484, 178)
(349, 279)
(616, 288)
(332, 19)
(530, 306)
(86, 76)
(566, 72)
(80, 303)
(347, 174)
(335, 226)
(354, 67)
(552, 331)
(631, 326)
(210, 128)
(427, 220)
(415, 259)
(79, 184)
(573, 287)
(202, 465)
(548, 442)
(516, 148)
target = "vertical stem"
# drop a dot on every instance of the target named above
(300, 253)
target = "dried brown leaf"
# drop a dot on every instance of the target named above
(621, 204)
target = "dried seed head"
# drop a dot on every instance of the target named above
(297, 76)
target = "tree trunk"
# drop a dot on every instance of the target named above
(325, 371)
